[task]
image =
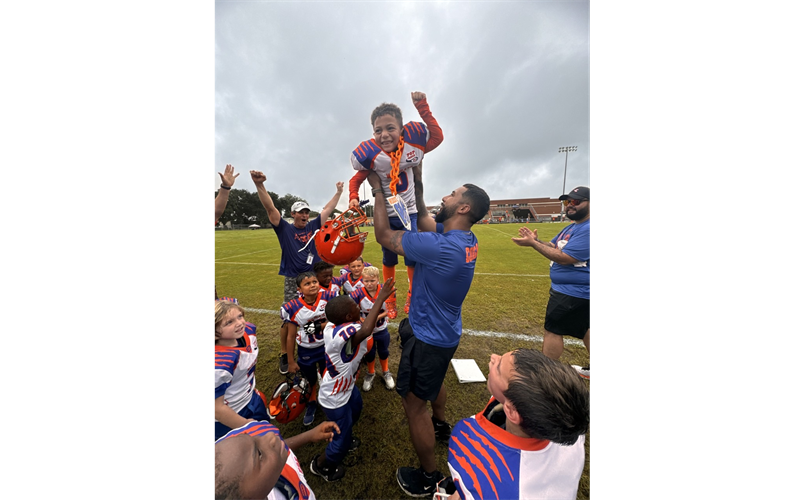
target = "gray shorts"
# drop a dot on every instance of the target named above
(291, 291)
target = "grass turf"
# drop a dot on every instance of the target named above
(509, 294)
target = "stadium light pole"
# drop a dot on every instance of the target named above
(565, 150)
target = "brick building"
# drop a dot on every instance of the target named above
(521, 210)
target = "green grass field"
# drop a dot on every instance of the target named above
(504, 310)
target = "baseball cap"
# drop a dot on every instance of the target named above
(299, 205)
(580, 193)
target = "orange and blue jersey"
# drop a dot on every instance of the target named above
(342, 363)
(308, 318)
(234, 370)
(369, 156)
(366, 302)
(433, 136)
(487, 462)
(292, 479)
(350, 285)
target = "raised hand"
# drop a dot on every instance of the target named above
(387, 290)
(229, 176)
(417, 96)
(257, 176)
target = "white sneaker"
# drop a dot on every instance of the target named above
(389, 380)
(583, 372)
(367, 383)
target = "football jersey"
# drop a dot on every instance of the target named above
(366, 301)
(291, 475)
(486, 461)
(369, 156)
(308, 318)
(337, 283)
(351, 285)
(234, 370)
(341, 364)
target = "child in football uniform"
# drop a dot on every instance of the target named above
(237, 401)
(533, 426)
(365, 298)
(254, 461)
(354, 276)
(345, 269)
(324, 274)
(392, 153)
(344, 344)
(305, 319)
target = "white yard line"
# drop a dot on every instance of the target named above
(400, 269)
(472, 333)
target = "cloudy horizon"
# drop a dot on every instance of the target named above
(509, 83)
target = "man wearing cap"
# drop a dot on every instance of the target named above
(292, 238)
(568, 311)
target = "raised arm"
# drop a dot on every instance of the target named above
(424, 222)
(434, 130)
(354, 186)
(227, 180)
(330, 206)
(384, 235)
(273, 214)
(371, 318)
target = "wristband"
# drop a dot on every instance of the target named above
(376, 190)
(225, 187)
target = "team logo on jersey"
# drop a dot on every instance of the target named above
(410, 156)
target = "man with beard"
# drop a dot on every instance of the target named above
(444, 268)
(568, 311)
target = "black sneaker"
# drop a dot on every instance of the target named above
(416, 483)
(356, 443)
(332, 473)
(283, 363)
(441, 429)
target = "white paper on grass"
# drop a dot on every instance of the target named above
(467, 370)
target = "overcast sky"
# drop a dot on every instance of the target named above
(509, 83)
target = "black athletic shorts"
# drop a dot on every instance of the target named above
(567, 315)
(422, 366)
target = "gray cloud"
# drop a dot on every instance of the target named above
(508, 82)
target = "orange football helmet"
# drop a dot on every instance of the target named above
(289, 399)
(340, 240)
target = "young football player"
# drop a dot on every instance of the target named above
(354, 276)
(254, 461)
(305, 319)
(365, 298)
(534, 426)
(324, 274)
(392, 152)
(237, 401)
(345, 339)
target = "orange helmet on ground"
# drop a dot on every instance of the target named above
(340, 241)
(289, 399)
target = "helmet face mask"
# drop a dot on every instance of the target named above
(289, 399)
(340, 240)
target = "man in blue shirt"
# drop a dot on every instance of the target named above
(292, 238)
(445, 264)
(568, 311)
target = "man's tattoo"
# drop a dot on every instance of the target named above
(396, 242)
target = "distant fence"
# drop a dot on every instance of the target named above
(241, 226)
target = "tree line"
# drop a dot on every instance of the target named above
(244, 207)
